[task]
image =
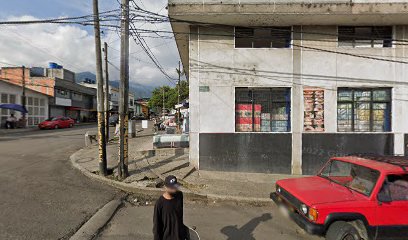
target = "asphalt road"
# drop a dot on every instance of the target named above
(41, 195)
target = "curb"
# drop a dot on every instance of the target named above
(98, 221)
(156, 192)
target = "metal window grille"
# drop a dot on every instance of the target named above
(364, 110)
(365, 36)
(276, 37)
(262, 109)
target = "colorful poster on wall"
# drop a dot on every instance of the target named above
(313, 109)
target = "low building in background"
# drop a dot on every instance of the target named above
(66, 97)
(142, 107)
(114, 98)
(281, 86)
(36, 103)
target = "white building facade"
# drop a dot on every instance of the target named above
(36, 103)
(281, 86)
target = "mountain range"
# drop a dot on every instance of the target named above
(140, 91)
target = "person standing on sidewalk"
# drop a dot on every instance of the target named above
(168, 213)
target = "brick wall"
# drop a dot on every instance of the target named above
(14, 75)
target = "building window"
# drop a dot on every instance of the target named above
(365, 36)
(36, 110)
(277, 37)
(364, 110)
(262, 109)
(5, 113)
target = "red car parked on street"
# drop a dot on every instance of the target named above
(57, 122)
(351, 198)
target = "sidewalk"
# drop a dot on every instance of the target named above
(147, 169)
(4, 131)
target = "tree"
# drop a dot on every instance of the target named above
(170, 96)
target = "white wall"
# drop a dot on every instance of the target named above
(17, 91)
(214, 62)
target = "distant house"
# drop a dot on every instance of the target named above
(36, 103)
(66, 97)
(114, 98)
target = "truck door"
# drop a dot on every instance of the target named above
(392, 211)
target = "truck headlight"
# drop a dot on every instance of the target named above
(304, 209)
(278, 189)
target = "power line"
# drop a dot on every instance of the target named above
(297, 45)
(208, 24)
(209, 67)
(10, 64)
(149, 53)
(53, 20)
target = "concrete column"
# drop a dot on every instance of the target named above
(399, 96)
(297, 102)
(194, 96)
(330, 110)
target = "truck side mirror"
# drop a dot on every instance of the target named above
(384, 195)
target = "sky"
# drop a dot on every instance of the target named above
(73, 46)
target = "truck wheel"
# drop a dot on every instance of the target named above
(342, 231)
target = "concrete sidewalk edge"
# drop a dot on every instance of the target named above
(156, 192)
(98, 221)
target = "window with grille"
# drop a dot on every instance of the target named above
(365, 36)
(262, 109)
(364, 110)
(36, 108)
(7, 98)
(276, 37)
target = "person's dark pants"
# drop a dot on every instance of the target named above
(10, 125)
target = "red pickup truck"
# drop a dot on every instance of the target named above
(351, 198)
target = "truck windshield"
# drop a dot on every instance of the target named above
(355, 177)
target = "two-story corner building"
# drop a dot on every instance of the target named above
(36, 103)
(66, 97)
(280, 86)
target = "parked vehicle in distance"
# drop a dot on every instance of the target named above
(351, 198)
(113, 120)
(139, 116)
(57, 122)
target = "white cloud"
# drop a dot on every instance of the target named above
(73, 47)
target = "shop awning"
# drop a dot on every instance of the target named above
(15, 107)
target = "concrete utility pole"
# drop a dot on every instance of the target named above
(124, 92)
(106, 92)
(163, 102)
(23, 97)
(178, 96)
(101, 119)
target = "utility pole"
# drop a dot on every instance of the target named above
(163, 102)
(106, 92)
(101, 119)
(23, 97)
(178, 97)
(124, 91)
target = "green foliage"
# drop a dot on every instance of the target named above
(170, 95)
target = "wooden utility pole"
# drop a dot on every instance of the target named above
(124, 91)
(178, 97)
(99, 80)
(163, 103)
(107, 107)
(23, 97)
